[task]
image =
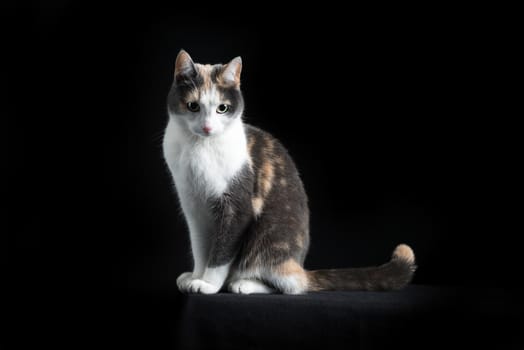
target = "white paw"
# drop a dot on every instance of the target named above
(183, 281)
(249, 287)
(201, 286)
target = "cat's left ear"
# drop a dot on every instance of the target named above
(231, 72)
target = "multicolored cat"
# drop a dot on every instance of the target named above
(242, 197)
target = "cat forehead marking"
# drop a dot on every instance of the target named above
(205, 71)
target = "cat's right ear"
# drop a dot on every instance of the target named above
(184, 66)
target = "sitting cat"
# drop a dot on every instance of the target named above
(242, 197)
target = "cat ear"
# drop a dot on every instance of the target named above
(184, 66)
(231, 72)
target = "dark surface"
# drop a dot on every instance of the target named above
(413, 146)
(437, 317)
(430, 317)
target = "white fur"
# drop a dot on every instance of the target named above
(201, 286)
(249, 286)
(272, 281)
(202, 167)
(216, 275)
(183, 280)
(209, 283)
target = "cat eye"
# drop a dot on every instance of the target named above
(193, 106)
(221, 109)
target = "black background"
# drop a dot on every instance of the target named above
(396, 118)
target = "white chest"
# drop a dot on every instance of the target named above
(203, 167)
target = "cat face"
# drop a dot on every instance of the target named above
(206, 99)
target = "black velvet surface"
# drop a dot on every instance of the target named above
(417, 317)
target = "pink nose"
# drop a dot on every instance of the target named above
(206, 129)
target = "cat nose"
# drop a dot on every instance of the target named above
(206, 129)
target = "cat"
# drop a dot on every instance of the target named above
(242, 197)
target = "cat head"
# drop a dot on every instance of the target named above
(206, 99)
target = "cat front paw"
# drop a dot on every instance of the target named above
(201, 286)
(188, 284)
(183, 281)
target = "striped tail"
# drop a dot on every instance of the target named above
(393, 275)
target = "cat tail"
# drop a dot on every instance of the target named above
(393, 275)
